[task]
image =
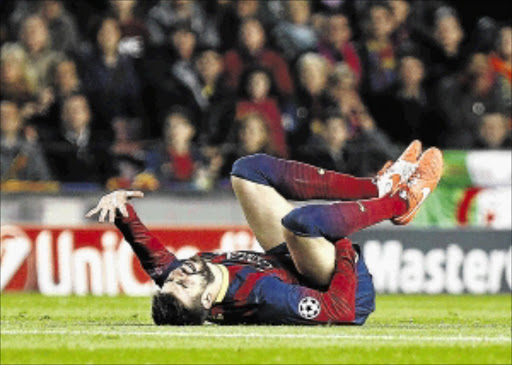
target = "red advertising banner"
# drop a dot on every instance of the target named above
(95, 259)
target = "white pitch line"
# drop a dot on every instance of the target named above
(405, 338)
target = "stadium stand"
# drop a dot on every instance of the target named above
(94, 86)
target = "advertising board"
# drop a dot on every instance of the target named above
(96, 260)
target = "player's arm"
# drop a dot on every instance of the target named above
(156, 260)
(295, 304)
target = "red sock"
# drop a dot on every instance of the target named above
(365, 213)
(300, 181)
(341, 219)
(309, 182)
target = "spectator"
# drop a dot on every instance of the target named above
(335, 44)
(78, 153)
(19, 84)
(501, 63)
(294, 35)
(134, 33)
(446, 54)
(220, 100)
(128, 156)
(501, 60)
(62, 27)
(209, 66)
(402, 30)
(18, 80)
(65, 82)
(171, 75)
(65, 79)
(343, 95)
(184, 42)
(326, 147)
(494, 132)
(166, 15)
(378, 51)
(463, 98)
(252, 51)
(179, 159)
(333, 147)
(253, 136)
(15, 13)
(110, 80)
(448, 31)
(313, 71)
(35, 39)
(21, 157)
(404, 112)
(258, 83)
(237, 11)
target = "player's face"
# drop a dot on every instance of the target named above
(188, 281)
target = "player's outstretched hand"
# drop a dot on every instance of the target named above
(113, 201)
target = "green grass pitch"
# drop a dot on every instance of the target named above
(404, 329)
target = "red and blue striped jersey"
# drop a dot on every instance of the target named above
(265, 288)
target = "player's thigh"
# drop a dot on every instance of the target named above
(264, 208)
(313, 257)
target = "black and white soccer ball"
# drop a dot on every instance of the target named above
(309, 307)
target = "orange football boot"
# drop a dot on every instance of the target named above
(421, 184)
(393, 174)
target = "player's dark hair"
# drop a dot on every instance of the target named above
(168, 310)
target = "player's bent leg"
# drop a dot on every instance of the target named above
(314, 257)
(338, 220)
(299, 181)
(311, 230)
(264, 208)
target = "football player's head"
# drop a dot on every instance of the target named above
(185, 297)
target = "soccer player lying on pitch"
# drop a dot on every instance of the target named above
(310, 272)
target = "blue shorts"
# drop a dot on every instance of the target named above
(365, 291)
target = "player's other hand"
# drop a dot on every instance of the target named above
(113, 201)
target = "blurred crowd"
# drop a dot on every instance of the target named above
(168, 94)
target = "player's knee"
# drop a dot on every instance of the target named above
(250, 168)
(303, 221)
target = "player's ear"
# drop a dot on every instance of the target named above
(207, 299)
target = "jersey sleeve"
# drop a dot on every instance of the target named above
(285, 303)
(155, 259)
